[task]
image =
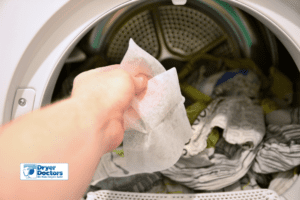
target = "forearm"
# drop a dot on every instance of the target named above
(66, 132)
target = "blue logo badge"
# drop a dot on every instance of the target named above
(44, 171)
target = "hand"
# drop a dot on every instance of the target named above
(109, 90)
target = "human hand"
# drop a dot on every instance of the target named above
(107, 92)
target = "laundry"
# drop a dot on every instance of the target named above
(237, 82)
(295, 115)
(279, 117)
(213, 138)
(200, 67)
(111, 174)
(135, 183)
(282, 181)
(194, 110)
(251, 181)
(198, 141)
(228, 156)
(276, 158)
(287, 134)
(247, 182)
(203, 83)
(281, 88)
(230, 163)
(268, 106)
(247, 64)
(198, 76)
(111, 164)
(280, 151)
(197, 161)
(284, 116)
(146, 182)
(167, 186)
(241, 120)
(226, 151)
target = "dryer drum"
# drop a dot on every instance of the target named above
(175, 34)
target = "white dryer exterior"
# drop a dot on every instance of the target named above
(37, 36)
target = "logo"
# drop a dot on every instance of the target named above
(44, 171)
(29, 170)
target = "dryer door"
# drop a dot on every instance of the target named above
(36, 38)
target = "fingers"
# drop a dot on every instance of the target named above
(140, 83)
(107, 68)
(140, 75)
(113, 134)
(131, 117)
(110, 90)
(136, 66)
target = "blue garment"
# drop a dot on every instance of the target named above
(230, 75)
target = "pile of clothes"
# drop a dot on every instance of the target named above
(246, 137)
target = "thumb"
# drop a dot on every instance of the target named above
(140, 83)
